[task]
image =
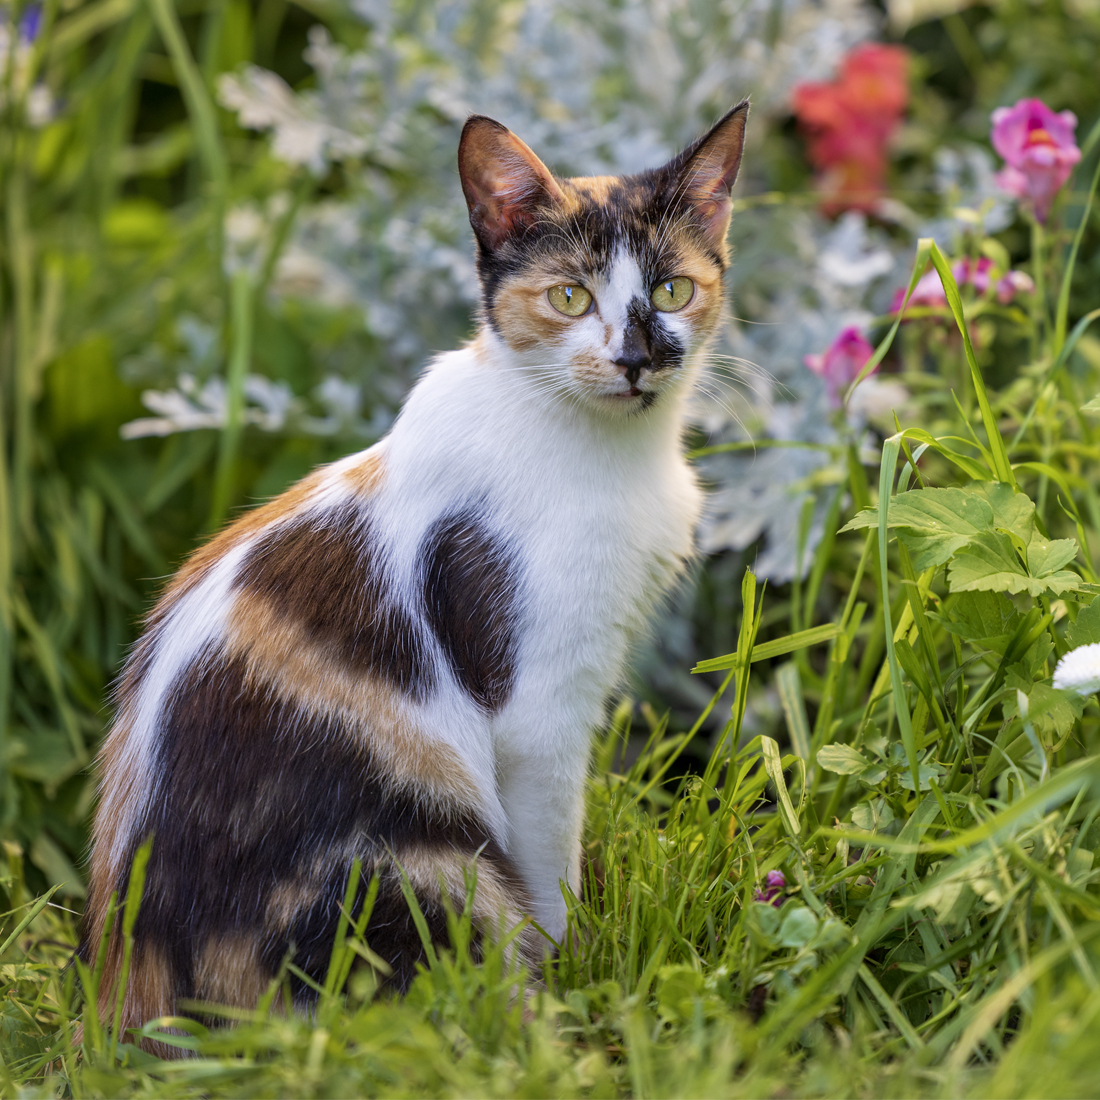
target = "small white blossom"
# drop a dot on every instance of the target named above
(1079, 670)
(191, 407)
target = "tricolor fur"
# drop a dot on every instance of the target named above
(402, 658)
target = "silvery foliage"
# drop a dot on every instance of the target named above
(593, 88)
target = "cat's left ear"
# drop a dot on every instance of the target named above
(704, 173)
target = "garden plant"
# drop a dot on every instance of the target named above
(844, 826)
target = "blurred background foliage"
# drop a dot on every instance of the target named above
(233, 233)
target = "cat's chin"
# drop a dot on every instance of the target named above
(629, 402)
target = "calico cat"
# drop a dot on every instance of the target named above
(403, 657)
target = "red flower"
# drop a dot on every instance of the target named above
(849, 122)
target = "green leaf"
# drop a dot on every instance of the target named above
(987, 619)
(1001, 466)
(872, 776)
(798, 928)
(927, 772)
(1012, 510)
(773, 765)
(938, 523)
(1086, 630)
(1053, 713)
(842, 759)
(872, 816)
(802, 640)
(1092, 407)
(1045, 557)
(991, 564)
(937, 512)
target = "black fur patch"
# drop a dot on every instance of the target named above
(325, 574)
(470, 601)
(255, 798)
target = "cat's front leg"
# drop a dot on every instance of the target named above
(543, 798)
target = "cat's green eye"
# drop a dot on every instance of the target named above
(672, 294)
(570, 300)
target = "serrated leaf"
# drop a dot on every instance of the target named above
(927, 772)
(949, 515)
(842, 759)
(986, 618)
(990, 564)
(1012, 510)
(1086, 630)
(937, 523)
(931, 551)
(872, 816)
(1052, 712)
(1045, 557)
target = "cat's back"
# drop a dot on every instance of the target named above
(270, 728)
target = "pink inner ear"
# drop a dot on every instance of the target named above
(503, 180)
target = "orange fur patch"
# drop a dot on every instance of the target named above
(229, 972)
(594, 188)
(498, 906)
(279, 655)
(366, 475)
(150, 993)
(121, 787)
(525, 317)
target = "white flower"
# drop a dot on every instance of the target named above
(1079, 670)
(191, 407)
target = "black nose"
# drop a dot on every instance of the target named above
(635, 356)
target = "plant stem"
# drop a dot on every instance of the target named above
(1062, 312)
(241, 301)
(1039, 303)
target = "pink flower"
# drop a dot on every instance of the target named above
(774, 883)
(1038, 149)
(1012, 283)
(974, 272)
(928, 293)
(841, 362)
(929, 290)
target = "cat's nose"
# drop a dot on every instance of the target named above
(635, 356)
(633, 366)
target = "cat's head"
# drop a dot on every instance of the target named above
(603, 287)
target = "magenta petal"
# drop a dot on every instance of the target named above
(1039, 150)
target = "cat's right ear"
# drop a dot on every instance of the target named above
(505, 184)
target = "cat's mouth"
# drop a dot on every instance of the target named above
(626, 395)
